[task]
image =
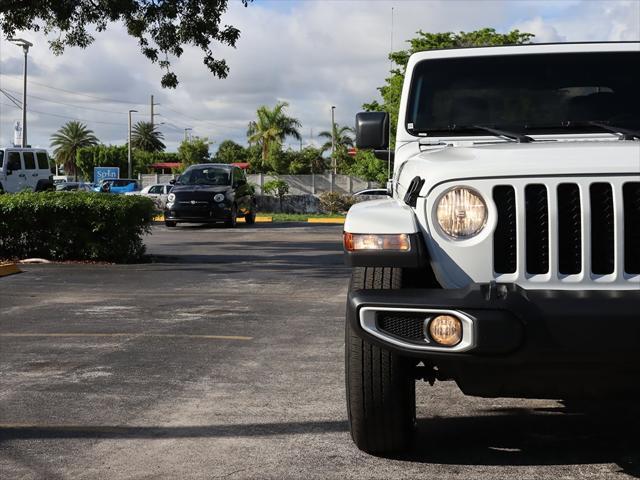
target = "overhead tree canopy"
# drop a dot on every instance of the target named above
(162, 29)
(391, 91)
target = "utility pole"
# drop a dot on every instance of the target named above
(129, 146)
(153, 115)
(25, 48)
(333, 140)
(185, 133)
(390, 70)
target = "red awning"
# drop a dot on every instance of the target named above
(242, 165)
(166, 165)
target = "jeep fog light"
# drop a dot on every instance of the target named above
(461, 213)
(366, 241)
(445, 330)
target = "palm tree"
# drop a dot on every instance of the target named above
(66, 142)
(145, 136)
(272, 127)
(342, 136)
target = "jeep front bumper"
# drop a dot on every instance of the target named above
(520, 343)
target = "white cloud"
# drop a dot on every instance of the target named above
(544, 33)
(311, 54)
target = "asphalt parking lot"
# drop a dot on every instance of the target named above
(223, 358)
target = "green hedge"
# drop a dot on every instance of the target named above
(74, 226)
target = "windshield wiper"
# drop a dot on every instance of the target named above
(517, 137)
(625, 134)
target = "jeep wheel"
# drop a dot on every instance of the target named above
(381, 398)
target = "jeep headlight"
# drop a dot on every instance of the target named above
(218, 197)
(461, 213)
(171, 198)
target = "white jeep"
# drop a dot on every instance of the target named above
(24, 169)
(508, 256)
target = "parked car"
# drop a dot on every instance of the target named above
(24, 169)
(508, 258)
(158, 193)
(208, 193)
(117, 185)
(73, 187)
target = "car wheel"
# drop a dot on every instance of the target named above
(233, 219)
(381, 396)
(250, 218)
(169, 224)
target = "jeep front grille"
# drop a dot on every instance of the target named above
(565, 228)
(631, 195)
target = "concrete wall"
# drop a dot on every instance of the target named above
(314, 184)
(298, 184)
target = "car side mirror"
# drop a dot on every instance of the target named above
(372, 130)
(172, 181)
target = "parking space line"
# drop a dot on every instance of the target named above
(144, 335)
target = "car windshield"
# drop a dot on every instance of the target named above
(205, 176)
(550, 93)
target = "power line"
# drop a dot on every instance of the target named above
(62, 116)
(194, 119)
(13, 99)
(103, 99)
(67, 104)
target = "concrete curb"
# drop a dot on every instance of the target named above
(9, 269)
(338, 221)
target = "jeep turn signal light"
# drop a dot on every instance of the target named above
(354, 242)
(445, 330)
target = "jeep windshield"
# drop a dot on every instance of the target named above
(205, 176)
(534, 93)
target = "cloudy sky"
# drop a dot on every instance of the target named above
(312, 54)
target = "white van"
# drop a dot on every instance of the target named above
(24, 169)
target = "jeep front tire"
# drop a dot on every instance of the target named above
(381, 398)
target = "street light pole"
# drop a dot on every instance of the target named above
(25, 48)
(185, 133)
(129, 145)
(333, 140)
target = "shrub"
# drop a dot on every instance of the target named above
(74, 226)
(333, 202)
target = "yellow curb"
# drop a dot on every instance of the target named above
(258, 219)
(326, 220)
(9, 269)
(160, 218)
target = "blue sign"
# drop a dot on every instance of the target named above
(102, 173)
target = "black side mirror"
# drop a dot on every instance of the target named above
(372, 130)
(172, 181)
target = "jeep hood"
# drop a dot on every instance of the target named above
(566, 158)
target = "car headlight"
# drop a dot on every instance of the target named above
(171, 198)
(461, 213)
(219, 197)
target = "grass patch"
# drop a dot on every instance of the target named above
(297, 217)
